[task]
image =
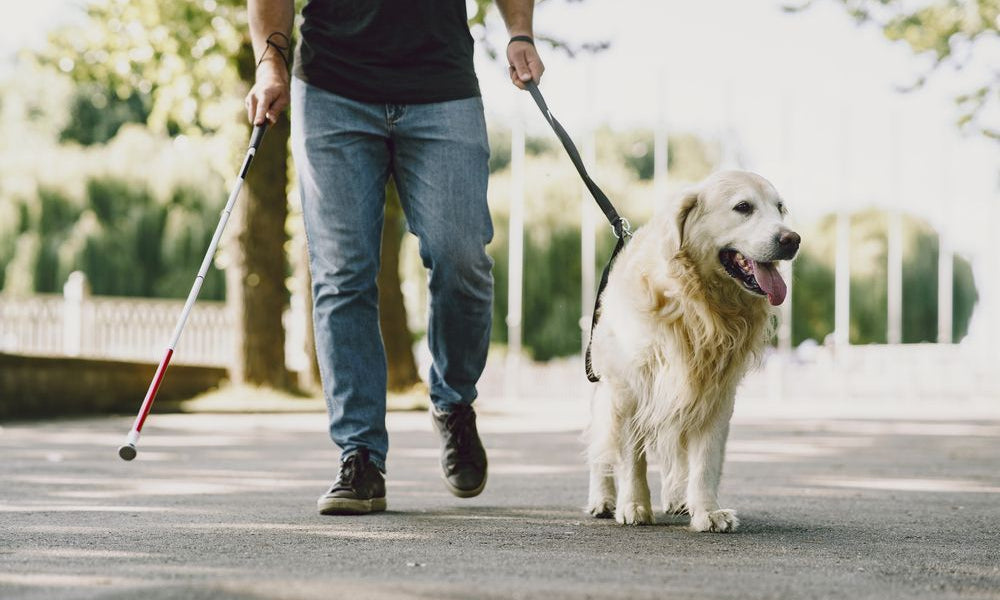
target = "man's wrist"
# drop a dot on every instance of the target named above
(272, 59)
(521, 38)
(274, 67)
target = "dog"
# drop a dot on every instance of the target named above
(687, 311)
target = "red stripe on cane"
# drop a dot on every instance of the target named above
(154, 387)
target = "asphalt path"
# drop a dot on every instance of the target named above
(223, 506)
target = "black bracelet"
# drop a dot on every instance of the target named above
(282, 49)
(522, 38)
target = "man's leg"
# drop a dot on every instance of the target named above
(441, 157)
(342, 159)
(441, 165)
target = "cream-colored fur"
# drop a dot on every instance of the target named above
(676, 334)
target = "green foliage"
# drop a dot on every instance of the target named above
(190, 223)
(813, 296)
(126, 242)
(95, 118)
(182, 58)
(552, 302)
(812, 300)
(689, 158)
(54, 219)
(10, 224)
(533, 146)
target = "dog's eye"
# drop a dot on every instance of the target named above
(744, 208)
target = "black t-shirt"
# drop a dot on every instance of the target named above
(388, 51)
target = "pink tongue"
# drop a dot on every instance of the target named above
(770, 281)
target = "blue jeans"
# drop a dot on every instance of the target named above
(438, 155)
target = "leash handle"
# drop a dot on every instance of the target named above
(620, 225)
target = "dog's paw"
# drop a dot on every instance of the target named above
(601, 509)
(723, 520)
(633, 513)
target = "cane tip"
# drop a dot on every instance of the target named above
(127, 452)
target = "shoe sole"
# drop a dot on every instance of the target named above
(349, 506)
(464, 493)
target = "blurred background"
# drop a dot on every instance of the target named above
(877, 120)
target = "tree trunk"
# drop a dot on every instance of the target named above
(256, 279)
(309, 380)
(392, 311)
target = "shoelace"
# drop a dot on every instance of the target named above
(459, 422)
(349, 471)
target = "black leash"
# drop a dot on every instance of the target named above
(619, 225)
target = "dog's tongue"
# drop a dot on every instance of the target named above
(769, 280)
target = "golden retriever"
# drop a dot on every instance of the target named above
(686, 312)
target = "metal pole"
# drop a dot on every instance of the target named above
(661, 157)
(842, 281)
(946, 254)
(842, 284)
(515, 280)
(786, 154)
(894, 237)
(946, 278)
(894, 330)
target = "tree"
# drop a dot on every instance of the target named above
(396, 336)
(948, 32)
(188, 64)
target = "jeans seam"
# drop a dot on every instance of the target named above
(393, 113)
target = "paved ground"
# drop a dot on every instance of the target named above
(222, 506)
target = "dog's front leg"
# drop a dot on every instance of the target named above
(706, 452)
(633, 505)
(603, 436)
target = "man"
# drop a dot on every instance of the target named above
(386, 87)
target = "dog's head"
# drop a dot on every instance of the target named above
(733, 226)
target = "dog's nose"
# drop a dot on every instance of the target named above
(788, 242)
(789, 238)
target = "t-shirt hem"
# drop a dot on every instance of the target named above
(353, 94)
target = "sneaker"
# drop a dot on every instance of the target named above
(358, 490)
(463, 458)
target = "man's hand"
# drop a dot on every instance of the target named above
(525, 64)
(270, 94)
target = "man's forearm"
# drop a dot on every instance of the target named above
(266, 17)
(517, 15)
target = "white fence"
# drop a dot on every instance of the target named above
(134, 329)
(137, 329)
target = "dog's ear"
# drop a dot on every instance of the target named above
(685, 205)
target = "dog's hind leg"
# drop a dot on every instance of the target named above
(601, 499)
(633, 505)
(673, 476)
(602, 452)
